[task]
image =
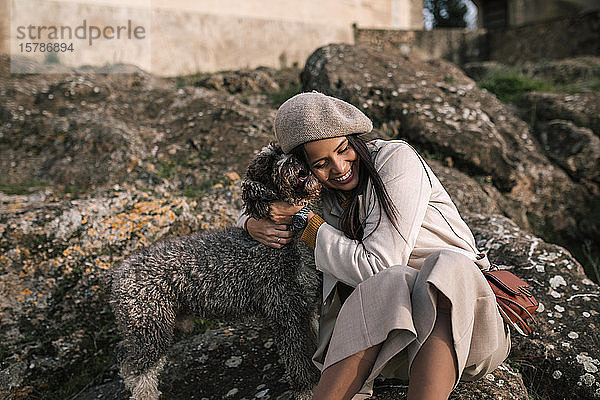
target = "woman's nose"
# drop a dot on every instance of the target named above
(338, 165)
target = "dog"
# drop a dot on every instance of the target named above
(225, 275)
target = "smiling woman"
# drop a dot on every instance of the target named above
(403, 291)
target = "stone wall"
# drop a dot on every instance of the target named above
(555, 39)
(456, 45)
(521, 12)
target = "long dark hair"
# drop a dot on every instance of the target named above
(350, 222)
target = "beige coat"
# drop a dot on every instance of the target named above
(436, 248)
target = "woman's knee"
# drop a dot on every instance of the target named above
(453, 263)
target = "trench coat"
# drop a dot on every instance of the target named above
(395, 275)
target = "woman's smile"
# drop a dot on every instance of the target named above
(347, 177)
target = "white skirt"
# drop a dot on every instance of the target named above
(397, 306)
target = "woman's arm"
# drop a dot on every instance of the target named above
(407, 183)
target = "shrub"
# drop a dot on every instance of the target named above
(511, 87)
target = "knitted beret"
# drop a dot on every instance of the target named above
(313, 115)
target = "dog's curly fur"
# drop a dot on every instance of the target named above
(226, 275)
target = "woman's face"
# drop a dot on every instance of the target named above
(334, 162)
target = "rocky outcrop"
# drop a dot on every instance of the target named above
(435, 105)
(583, 109)
(78, 131)
(575, 149)
(561, 360)
(95, 166)
(58, 331)
(239, 361)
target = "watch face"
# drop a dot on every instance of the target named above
(298, 221)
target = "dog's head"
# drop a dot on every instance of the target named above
(275, 176)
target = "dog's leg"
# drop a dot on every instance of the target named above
(289, 313)
(148, 334)
(144, 386)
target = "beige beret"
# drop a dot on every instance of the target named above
(313, 115)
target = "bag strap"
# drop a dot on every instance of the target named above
(509, 300)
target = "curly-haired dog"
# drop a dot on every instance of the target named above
(226, 275)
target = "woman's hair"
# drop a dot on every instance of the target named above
(350, 220)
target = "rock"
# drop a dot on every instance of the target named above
(184, 376)
(435, 106)
(564, 71)
(180, 373)
(560, 360)
(468, 194)
(57, 328)
(575, 149)
(583, 109)
(79, 131)
(164, 160)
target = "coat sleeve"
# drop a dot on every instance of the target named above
(242, 218)
(407, 182)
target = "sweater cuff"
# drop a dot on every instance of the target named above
(309, 236)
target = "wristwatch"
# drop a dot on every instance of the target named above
(300, 219)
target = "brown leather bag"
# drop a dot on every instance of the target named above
(514, 298)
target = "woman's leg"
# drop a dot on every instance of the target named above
(434, 369)
(344, 379)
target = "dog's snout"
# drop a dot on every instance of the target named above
(302, 175)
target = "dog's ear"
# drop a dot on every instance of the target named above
(285, 175)
(261, 166)
(257, 198)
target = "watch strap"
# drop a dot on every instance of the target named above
(304, 211)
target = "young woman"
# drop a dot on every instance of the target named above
(403, 292)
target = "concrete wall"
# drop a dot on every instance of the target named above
(186, 36)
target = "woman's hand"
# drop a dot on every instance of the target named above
(281, 212)
(274, 232)
(267, 232)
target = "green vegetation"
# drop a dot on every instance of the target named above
(74, 189)
(24, 187)
(449, 79)
(168, 168)
(592, 259)
(187, 80)
(446, 13)
(33, 184)
(201, 325)
(279, 97)
(201, 188)
(52, 58)
(510, 87)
